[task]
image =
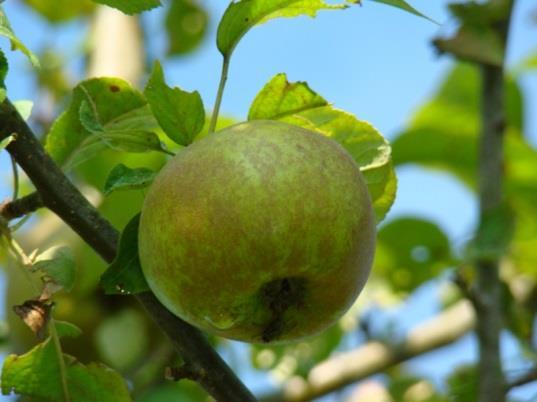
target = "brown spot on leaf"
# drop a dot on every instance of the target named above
(114, 88)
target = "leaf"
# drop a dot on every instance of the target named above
(131, 6)
(6, 141)
(123, 178)
(403, 5)
(67, 329)
(61, 10)
(407, 261)
(186, 26)
(119, 350)
(444, 135)
(241, 16)
(296, 103)
(124, 275)
(104, 113)
(3, 73)
(36, 375)
(24, 107)
(16, 44)
(475, 45)
(180, 114)
(57, 265)
(477, 40)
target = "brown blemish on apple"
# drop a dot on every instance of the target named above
(279, 296)
(114, 88)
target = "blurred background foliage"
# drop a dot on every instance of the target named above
(412, 251)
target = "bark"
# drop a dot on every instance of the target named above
(490, 179)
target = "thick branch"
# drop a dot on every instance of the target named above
(59, 195)
(375, 357)
(489, 323)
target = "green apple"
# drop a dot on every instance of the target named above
(262, 232)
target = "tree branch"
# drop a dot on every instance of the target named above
(21, 206)
(488, 286)
(375, 357)
(529, 376)
(63, 198)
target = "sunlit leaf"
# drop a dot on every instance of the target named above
(180, 114)
(131, 6)
(57, 265)
(296, 103)
(241, 16)
(36, 375)
(444, 135)
(61, 10)
(403, 5)
(104, 113)
(123, 178)
(16, 44)
(24, 107)
(124, 275)
(186, 26)
(411, 251)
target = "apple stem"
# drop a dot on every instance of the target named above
(219, 94)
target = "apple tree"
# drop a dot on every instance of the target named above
(105, 304)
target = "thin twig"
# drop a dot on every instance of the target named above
(15, 178)
(489, 324)
(219, 94)
(21, 206)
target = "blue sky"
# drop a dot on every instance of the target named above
(374, 61)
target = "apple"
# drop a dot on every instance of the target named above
(262, 232)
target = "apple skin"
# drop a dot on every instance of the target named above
(263, 232)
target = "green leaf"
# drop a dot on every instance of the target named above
(57, 264)
(444, 135)
(124, 275)
(67, 329)
(241, 16)
(104, 113)
(180, 114)
(117, 349)
(3, 67)
(123, 178)
(410, 251)
(296, 103)
(186, 26)
(24, 107)
(58, 11)
(130, 6)
(478, 45)
(6, 141)
(36, 375)
(403, 5)
(16, 44)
